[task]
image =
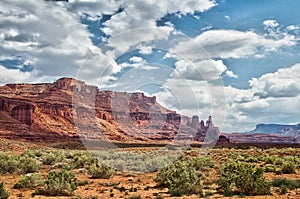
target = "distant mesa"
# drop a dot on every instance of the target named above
(278, 134)
(276, 129)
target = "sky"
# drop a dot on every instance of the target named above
(238, 61)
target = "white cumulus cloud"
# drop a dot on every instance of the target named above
(206, 70)
(270, 23)
(238, 44)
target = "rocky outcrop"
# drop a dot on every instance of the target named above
(223, 140)
(204, 131)
(195, 122)
(74, 85)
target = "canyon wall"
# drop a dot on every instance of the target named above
(70, 108)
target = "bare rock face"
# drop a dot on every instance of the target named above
(195, 122)
(69, 108)
(23, 113)
(74, 85)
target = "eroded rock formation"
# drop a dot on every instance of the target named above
(70, 108)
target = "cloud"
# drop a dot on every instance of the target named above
(94, 7)
(205, 70)
(136, 59)
(206, 28)
(139, 13)
(145, 50)
(235, 44)
(50, 34)
(271, 98)
(252, 107)
(13, 75)
(138, 63)
(132, 39)
(45, 33)
(282, 83)
(134, 27)
(185, 94)
(244, 116)
(229, 73)
(293, 27)
(17, 76)
(270, 23)
(192, 97)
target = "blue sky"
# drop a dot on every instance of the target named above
(236, 60)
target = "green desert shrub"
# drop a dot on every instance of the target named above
(8, 163)
(28, 153)
(180, 178)
(29, 180)
(278, 161)
(201, 164)
(83, 160)
(297, 161)
(270, 168)
(58, 183)
(18, 164)
(33, 153)
(288, 167)
(269, 159)
(283, 182)
(242, 178)
(101, 171)
(4, 194)
(28, 165)
(52, 157)
(252, 159)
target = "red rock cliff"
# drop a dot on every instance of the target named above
(60, 109)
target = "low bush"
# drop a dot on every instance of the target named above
(18, 164)
(283, 182)
(270, 168)
(29, 153)
(4, 194)
(8, 163)
(29, 180)
(58, 183)
(252, 159)
(201, 164)
(180, 178)
(101, 171)
(288, 167)
(28, 165)
(52, 157)
(83, 160)
(278, 161)
(242, 178)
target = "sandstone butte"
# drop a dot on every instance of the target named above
(69, 109)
